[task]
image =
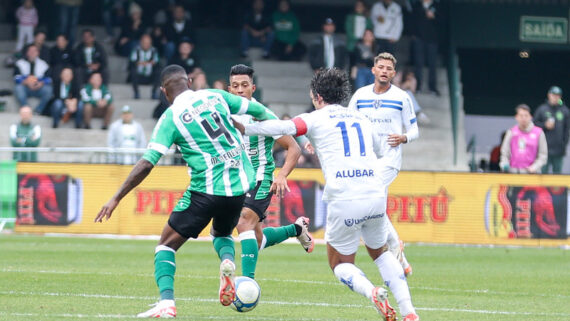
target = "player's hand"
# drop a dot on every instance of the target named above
(309, 148)
(239, 126)
(106, 211)
(279, 186)
(394, 139)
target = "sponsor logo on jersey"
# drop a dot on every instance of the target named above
(355, 221)
(381, 121)
(228, 156)
(187, 118)
(354, 173)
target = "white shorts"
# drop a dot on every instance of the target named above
(348, 221)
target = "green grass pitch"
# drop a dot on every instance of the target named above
(53, 278)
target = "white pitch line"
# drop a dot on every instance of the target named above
(475, 291)
(189, 317)
(323, 304)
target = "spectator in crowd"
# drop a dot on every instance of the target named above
(131, 31)
(25, 134)
(27, 17)
(61, 55)
(386, 15)
(90, 57)
(257, 30)
(495, 156)
(186, 58)
(32, 77)
(524, 148)
(68, 17)
(144, 67)
(178, 29)
(67, 102)
(126, 133)
(425, 20)
(199, 81)
(158, 39)
(97, 101)
(327, 50)
(286, 45)
(39, 42)
(355, 25)
(554, 119)
(363, 58)
(220, 84)
(407, 81)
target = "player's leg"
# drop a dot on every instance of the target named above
(226, 213)
(164, 270)
(187, 220)
(342, 240)
(395, 245)
(246, 228)
(375, 234)
(299, 229)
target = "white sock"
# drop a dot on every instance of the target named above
(263, 242)
(393, 276)
(354, 278)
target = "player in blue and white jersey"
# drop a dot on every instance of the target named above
(354, 190)
(390, 109)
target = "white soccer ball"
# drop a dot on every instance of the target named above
(247, 294)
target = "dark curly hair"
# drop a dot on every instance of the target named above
(331, 84)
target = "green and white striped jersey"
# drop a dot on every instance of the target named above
(199, 123)
(260, 151)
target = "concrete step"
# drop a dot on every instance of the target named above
(276, 95)
(282, 69)
(284, 82)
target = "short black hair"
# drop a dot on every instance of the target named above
(332, 84)
(242, 69)
(87, 30)
(169, 71)
(61, 35)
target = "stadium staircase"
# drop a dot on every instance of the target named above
(281, 85)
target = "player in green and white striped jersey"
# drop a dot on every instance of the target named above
(199, 123)
(252, 237)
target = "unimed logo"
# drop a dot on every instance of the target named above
(156, 202)
(419, 208)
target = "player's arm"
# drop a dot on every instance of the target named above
(138, 174)
(410, 124)
(239, 105)
(279, 185)
(161, 140)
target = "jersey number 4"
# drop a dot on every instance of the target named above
(215, 133)
(345, 142)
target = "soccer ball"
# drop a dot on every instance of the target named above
(247, 294)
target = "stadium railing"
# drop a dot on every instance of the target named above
(88, 155)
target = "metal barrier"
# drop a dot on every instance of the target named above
(90, 155)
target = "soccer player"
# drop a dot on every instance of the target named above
(389, 108)
(199, 123)
(355, 195)
(252, 236)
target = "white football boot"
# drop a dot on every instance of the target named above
(162, 309)
(227, 285)
(305, 238)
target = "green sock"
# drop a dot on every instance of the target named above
(276, 235)
(224, 246)
(164, 269)
(249, 252)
